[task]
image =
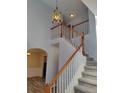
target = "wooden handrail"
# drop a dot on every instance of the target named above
(68, 25)
(65, 66)
(63, 23)
(55, 26)
(80, 23)
(61, 35)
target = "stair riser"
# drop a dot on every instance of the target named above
(90, 59)
(91, 64)
(87, 70)
(89, 76)
(90, 70)
(78, 91)
(87, 84)
(87, 55)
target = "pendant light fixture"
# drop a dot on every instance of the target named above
(56, 15)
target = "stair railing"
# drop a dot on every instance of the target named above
(70, 33)
(62, 79)
(83, 26)
(67, 32)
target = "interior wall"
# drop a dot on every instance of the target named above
(52, 66)
(90, 41)
(65, 50)
(38, 24)
(76, 20)
(34, 60)
(39, 33)
(80, 18)
(35, 64)
(92, 5)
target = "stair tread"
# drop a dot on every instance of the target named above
(89, 81)
(90, 73)
(85, 89)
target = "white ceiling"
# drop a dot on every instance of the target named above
(66, 6)
(92, 5)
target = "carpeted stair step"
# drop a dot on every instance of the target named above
(87, 82)
(91, 63)
(91, 68)
(84, 89)
(90, 58)
(89, 75)
(87, 55)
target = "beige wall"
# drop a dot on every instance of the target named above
(34, 60)
(35, 64)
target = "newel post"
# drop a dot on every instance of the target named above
(72, 28)
(82, 42)
(46, 88)
(61, 35)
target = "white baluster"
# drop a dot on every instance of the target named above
(57, 86)
(76, 64)
(62, 82)
(73, 67)
(54, 88)
(68, 75)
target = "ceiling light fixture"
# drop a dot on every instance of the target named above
(28, 54)
(72, 15)
(56, 15)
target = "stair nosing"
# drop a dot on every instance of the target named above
(89, 81)
(90, 74)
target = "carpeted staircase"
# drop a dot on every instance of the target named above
(88, 82)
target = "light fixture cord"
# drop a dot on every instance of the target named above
(56, 4)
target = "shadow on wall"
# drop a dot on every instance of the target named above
(36, 63)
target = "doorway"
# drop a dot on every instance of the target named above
(44, 67)
(36, 69)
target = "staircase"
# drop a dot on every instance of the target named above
(88, 82)
(74, 76)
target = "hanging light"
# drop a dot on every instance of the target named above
(56, 15)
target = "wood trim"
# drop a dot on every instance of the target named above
(65, 66)
(63, 23)
(75, 32)
(70, 31)
(55, 26)
(82, 42)
(47, 88)
(80, 23)
(61, 35)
